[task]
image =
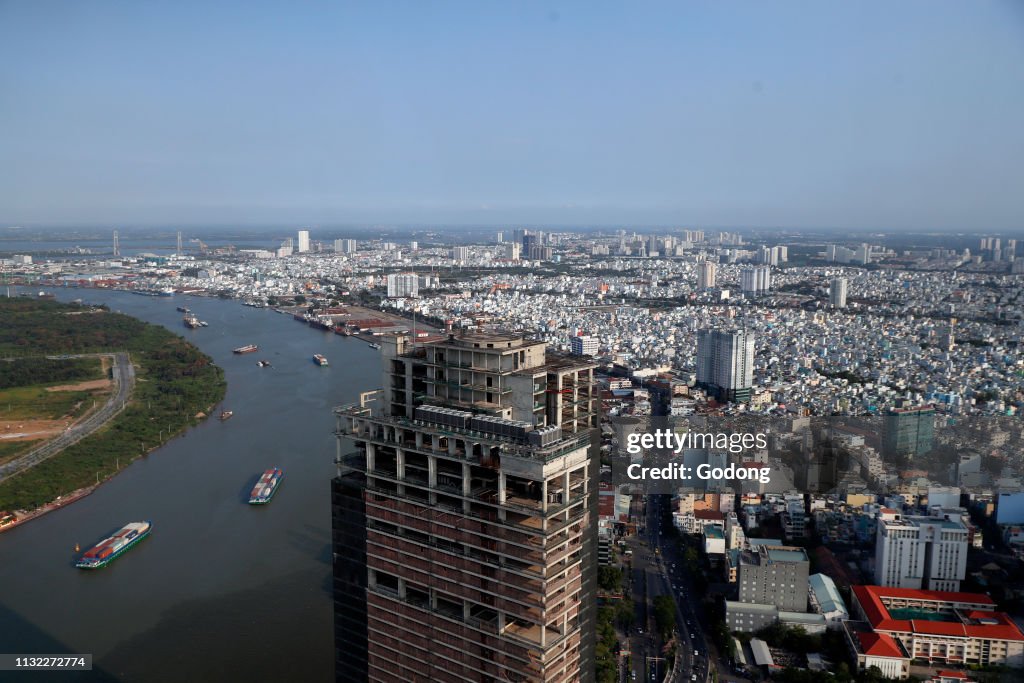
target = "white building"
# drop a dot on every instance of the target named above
(303, 241)
(920, 552)
(345, 246)
(402, 285)
(583, 346)
(460, 253)
(837, 292)
(756, 280)
(706, 274)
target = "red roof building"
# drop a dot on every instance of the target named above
(940, 626)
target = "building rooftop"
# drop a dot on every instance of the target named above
(481, 339)
(966, 615)
(713, 531)
(826, 593)
(879, 645)
(787, 554)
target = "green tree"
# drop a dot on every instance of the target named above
(609, 579)
(665, 615)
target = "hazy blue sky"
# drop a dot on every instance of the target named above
(887, 114)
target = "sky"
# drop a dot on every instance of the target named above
(877, 115)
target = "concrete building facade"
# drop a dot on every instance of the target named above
(464, 521)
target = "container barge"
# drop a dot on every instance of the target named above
(264, 489)
(109, 549)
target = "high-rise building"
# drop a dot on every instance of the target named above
(725, 364)
(464, 524)
(756, 280)
(303, 241)
(706, 274)
(772, 256)
(908, 430)
(402, 285)
(512, 250)
(920, 552)
(837, 292)
(583, 346)
(460, 253)
(345, 246)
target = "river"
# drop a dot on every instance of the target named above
(221, 591)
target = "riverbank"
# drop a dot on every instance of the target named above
(175, 383)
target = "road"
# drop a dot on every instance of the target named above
(651, 577)
(693, 650)
(700, 656)
(123, 376)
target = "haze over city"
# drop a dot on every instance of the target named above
(871, 115)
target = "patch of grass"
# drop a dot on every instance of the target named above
(27, 403)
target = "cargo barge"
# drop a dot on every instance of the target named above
(107, 550)
(264, 489)
(248, 348)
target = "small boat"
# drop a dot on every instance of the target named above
(374, 345)
(203, 323)
(225, 415)
(248, 348)
(320, 360)
(263, 363)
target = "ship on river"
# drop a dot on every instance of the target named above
(264, 489)
(109, 549)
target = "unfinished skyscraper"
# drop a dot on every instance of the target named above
(464, 522)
